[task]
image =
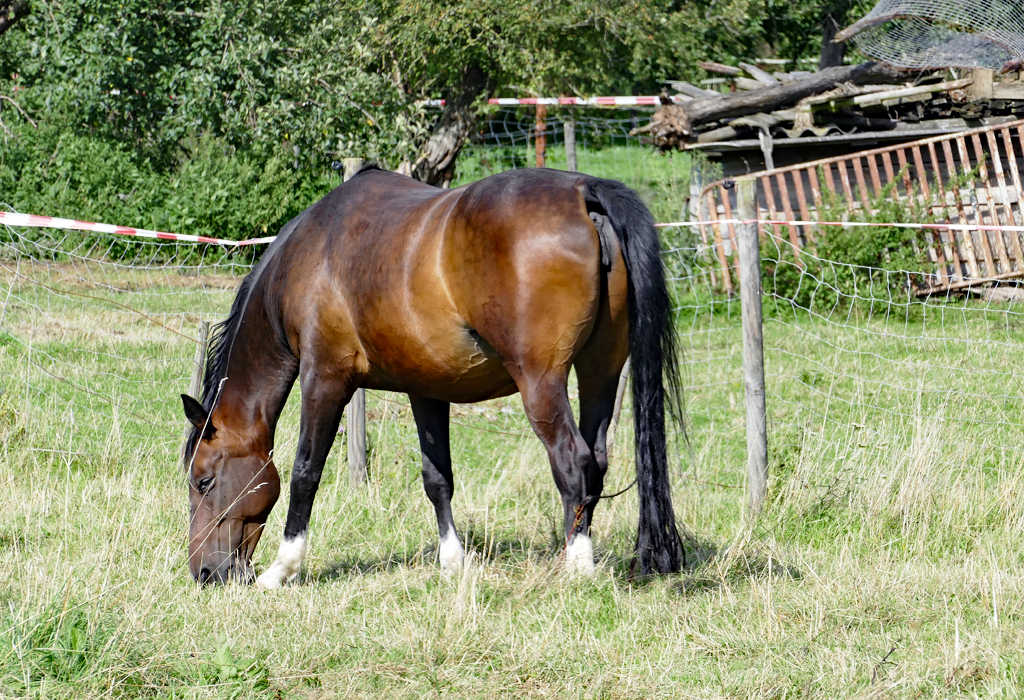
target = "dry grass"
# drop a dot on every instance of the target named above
(888, 564)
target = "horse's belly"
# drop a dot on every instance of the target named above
(459, 367)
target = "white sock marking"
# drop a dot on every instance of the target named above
(579, 555)
(452, 555)
(286, 567)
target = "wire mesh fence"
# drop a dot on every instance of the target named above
(98, 336)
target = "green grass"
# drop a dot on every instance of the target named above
(888, 562)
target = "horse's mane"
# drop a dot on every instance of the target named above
(222, 335)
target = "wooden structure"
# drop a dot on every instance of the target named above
(971, 178)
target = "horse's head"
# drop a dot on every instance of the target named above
(232, 490)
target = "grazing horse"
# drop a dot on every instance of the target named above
(448, 296)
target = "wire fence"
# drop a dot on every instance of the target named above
(98, 336)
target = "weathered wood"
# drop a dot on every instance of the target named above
(539, 139)
(753, 346)
(716, 229)
(712, 67)
(1008, 91)
(569, 134)
(620, 392)
(874, 98)
(195, 385)
(355, 412)
(356, 415)
(759, 75)
(683, 118)
(692, 90)
(981, 89)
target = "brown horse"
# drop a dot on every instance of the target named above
(449, 296)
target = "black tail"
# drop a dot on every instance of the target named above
(652, 347)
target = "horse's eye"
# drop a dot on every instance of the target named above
(203, 485)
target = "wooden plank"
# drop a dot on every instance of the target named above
(876, 181)
(986, 249)
(942, 257)
(908, 187)
(801, 198)
(747, 84)
(890, 175)
(727, 205)
(716, 229)
(935, 253)
(981, 88)
(874, 98)
(1011, 158)
(712, 67)
(1008, 218)
(753, 349)
(922, 174)
(965, 235)
(692, 90)
(862, 187)
(1008, 91)
(844, 177)
(829, 182)
(812, 176)
(769, 199)
(794, 235)
(986, 203)
(757, 74)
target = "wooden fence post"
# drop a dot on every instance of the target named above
(355, 412)
(569, 131)
(753, 344)
(620, 392)
(195, 385)
(539, 140)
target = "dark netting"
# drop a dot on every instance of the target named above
(931, 34)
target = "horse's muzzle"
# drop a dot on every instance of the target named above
(231, 570)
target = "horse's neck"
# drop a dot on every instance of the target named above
(256, 385)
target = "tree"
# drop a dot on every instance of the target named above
(11, 11)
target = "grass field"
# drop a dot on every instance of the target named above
(888, 564)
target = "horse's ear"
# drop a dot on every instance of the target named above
(198, 416)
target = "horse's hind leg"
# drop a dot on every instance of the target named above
(577, 475)
(598, 367)
(432, 425)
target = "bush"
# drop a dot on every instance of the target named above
(213, 189)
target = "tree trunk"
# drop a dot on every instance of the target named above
(832, 52)
(436, 164)
(11, 12)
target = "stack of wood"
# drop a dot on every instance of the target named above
(865, 97)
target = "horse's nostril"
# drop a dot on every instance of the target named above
(204, 575)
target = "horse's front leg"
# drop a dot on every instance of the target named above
(324, 397)
(432, 425)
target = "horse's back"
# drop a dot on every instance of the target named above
(445, 293)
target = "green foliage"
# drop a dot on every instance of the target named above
(212, 190)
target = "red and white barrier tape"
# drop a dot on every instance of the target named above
(849, 224)
(33, 221)
(614, 101)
